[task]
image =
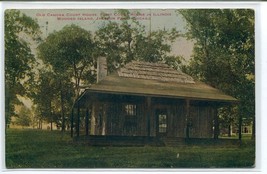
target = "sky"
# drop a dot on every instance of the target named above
(90, 19)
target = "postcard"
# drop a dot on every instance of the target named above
(129, 88)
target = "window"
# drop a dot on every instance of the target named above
(247, 129)
(130, 109)
(162, 123)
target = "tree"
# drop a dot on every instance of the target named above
(20, 30)
(44, 96)
(24, 117)
(70, 53)
(63, 98)
(224, 53)
(52, 97)
(126, 40)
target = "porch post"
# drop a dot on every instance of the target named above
(87, 121)
(148, 115)
(78, 121)
(71, 122)
(240, 127)
(104, 120)
(216, 123)
(93, 119)
(187, 108)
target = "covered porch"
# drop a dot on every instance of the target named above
(102, 118)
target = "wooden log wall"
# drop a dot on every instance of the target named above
(142, 128)
(117, 120)
(107, 117)
(202, 122)
(177, 121)
(153, 123)
(200, 119)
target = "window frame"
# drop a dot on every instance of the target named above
(130, 109)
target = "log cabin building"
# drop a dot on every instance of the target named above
(146, 103)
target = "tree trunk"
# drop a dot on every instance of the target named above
(71, 122)
(229, 130)
(253, 129)
(240, 127)
(51, 117)
(62, 110)
(41, 124)
(8, 115)
(87, 122)
(78, 121)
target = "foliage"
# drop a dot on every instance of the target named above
(52, 97)
(20, 31)
(228, 118)
(224, 52)
(127, 40)
(24, 117)
(70, 53)
(44, 95)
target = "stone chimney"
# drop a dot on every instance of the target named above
(102, 69)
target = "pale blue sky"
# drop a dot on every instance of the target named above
(160, 19)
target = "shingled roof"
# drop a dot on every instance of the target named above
(154, 71)
(158, 80)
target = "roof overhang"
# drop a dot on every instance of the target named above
(114, 84)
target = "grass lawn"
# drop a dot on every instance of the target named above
(26, 148)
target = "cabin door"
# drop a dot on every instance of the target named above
(162, 126)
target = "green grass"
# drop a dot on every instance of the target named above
(44, 149)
